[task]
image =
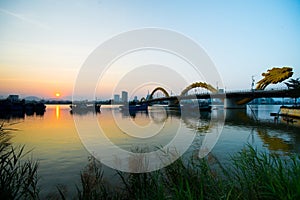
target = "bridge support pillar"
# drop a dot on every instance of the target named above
(174, 103)
(231, 104)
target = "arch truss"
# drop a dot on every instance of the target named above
(159, 89)
(198, 84)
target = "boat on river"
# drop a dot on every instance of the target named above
(134, 107)
(290, 111)
(78, 107)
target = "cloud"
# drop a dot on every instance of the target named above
(25, 19)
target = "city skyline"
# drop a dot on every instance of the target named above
(44, 44)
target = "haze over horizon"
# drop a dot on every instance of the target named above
(45, 43)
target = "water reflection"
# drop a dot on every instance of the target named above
(57, 111)
(274, 143)
(21, 114)
(133, 113)
(57, 146)
(7, 116)
(84, 112)
(274, 136)
(277, 137)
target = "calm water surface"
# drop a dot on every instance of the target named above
(56, 144)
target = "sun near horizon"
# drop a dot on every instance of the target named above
(57, 94)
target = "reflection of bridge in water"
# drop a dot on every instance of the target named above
(266, 130)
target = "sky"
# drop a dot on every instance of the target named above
(43, 44)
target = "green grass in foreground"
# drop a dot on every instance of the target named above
(18, 177)
(249, 175)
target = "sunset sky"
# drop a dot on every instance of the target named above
(43, 44)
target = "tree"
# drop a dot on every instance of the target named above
(293, 83)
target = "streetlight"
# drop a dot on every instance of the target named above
(253, 82)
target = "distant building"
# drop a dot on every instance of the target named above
(117, 98)
(148, 97)
(124, 96)
(135, 99)
(263, 101)
(221, 91)
(13, 97)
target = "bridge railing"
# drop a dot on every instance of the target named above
(251, 90)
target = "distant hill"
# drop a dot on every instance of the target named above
(63, 98)
(32, 98)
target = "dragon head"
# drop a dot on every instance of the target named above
(273, 76)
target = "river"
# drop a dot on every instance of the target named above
(60, 140)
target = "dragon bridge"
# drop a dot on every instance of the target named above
(272, 76)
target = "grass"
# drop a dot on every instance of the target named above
(250, 174)
(18, 177)
(267, 176)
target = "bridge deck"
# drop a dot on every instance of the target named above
(295, 93)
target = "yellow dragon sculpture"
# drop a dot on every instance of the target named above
(198, 84)
(272, 76)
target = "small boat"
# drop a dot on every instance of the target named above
(291, 111)
(134, 107)
(85, 107)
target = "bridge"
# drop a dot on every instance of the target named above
(233, 99)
